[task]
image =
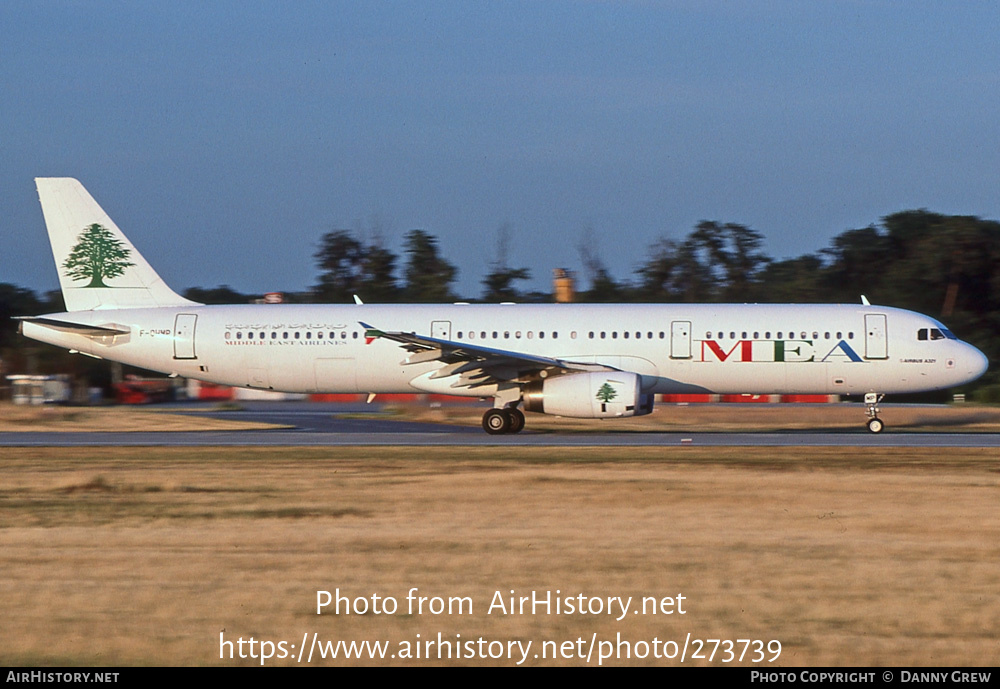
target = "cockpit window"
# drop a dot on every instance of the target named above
(935, 334)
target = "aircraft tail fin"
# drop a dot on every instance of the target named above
(98, 266)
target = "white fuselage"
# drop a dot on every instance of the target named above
(675, 348)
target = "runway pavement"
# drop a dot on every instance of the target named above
(344, 425)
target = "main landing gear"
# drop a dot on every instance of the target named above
(875, 424)
(503, 421)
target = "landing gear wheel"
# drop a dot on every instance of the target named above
(872, 399)
(496, 421)
(516, 420)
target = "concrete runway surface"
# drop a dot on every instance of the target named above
(334, 425)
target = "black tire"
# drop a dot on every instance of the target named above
(516, 420)
(875, 425)
(496, 421)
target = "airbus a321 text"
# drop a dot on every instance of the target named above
(577, 360)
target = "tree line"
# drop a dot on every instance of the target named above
(945, 266)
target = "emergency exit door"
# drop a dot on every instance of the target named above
(875, 336)
(184, 324)
(680, 340)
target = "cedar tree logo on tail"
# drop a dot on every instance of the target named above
(99, 255)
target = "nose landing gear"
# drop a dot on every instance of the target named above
(875, 424)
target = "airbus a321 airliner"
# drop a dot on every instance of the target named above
(578, 360)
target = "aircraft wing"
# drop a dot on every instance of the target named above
(477, 365)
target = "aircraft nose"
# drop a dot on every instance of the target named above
(975, 363)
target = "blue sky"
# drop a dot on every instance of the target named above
(226, 137)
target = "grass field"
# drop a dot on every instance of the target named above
(847, 557)
(55, 418)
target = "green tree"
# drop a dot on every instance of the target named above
(857, 261)
(657, 277)
(98, 255)
(223, 294)
(731, 257)
(428, 276)
(603, 287)
(793, 281)
(499, 282)
(340, 259)
(744, 263)
(378, 281)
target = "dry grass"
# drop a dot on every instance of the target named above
(848, 557)
(56, 419)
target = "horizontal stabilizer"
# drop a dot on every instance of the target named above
(75, 328)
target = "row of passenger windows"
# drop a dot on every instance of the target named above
(780, 335)
(935, 334)
(552, 334)
(293, 335)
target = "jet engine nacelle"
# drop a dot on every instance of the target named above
(597, 395)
